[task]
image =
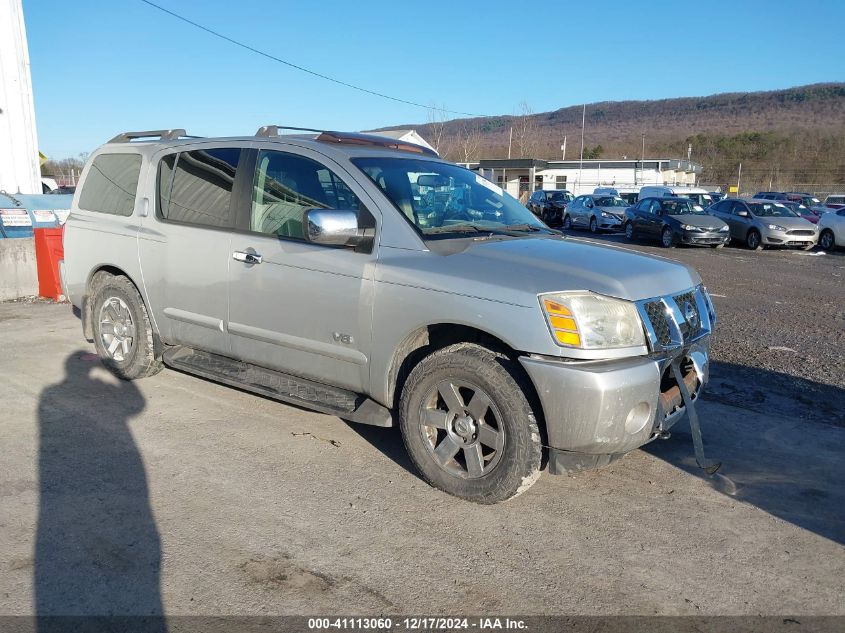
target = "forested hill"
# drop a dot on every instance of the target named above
(789, 138)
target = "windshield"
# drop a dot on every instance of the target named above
(441, 198)
(610, 201)
(681, 206)
(770, 210)
(798, 208)
(561, 196)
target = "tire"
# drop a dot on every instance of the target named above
(753, 240)
(567, 223)
(594, 226)
(123, 334)
(667, 238)
(629, 230)
(488, 455)
(827, 241)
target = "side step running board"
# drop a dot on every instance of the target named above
(306, 393)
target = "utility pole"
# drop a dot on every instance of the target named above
(563, 148)
(738, 180)
(510, 142)
(581, 159)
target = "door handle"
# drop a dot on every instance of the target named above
(246, 258)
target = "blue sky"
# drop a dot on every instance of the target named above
(101, 67)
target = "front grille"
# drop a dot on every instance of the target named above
(801, 232)
(656, 312)
(688, 329)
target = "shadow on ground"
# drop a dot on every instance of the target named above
(786, 455)
(97, 548)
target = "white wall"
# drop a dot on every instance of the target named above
(20, 171)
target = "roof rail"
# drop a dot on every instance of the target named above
(350, 138)
(163, 135)
(273, 130)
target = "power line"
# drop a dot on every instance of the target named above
(297, 67)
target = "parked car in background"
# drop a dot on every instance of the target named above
(675, 221)
(832, 230)
(549, 205)
(717, 195)
(835, 201)
(800, 209)
(698, 195)
(595, 212)
(808, 200)
(759, 223)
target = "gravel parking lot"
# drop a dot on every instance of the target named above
(178, 495)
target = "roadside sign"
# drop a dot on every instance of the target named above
(733, 189)
(15, 217)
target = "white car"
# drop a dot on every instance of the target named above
(832, 227)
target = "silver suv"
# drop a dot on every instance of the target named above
(368, 279)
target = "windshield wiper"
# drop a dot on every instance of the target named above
(457, 228)
(523, 227)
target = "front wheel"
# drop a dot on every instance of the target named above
(629, 230)
(826, 240)
(567, 223)
(468, 426)
(667, 238)
(594, 226)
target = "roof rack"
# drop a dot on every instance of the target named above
(350, 138)
(163, 135)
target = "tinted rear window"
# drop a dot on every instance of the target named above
(111, 184)
(196, 187)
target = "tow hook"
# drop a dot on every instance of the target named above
(698, 444)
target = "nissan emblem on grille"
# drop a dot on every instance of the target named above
(691, 315)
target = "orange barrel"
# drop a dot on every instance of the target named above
(49, 251)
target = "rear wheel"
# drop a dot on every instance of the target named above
(753, 241)
(567, 222)
(123, 334)
(826, 240)
(667, 238)
(468, 426)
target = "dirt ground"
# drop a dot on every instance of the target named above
(176, 495)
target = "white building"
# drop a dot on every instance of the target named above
(20, 171)
(409, 136)
(525, 175)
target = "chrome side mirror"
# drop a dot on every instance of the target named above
(332, 227)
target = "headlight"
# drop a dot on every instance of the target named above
(725, 228)
(777, 227)
(590, 321)
(605, 214)
(689, 227)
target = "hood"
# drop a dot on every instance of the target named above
(788, 223)
(703, 221)
(516, 270)
(619, 212)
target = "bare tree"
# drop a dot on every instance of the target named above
(437, 115)
(525, 131)
(470, 140)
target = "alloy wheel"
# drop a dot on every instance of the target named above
(117, 331)
(462, 429)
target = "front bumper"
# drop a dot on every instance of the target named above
(798, 237)
(610, 223)
(701, 238)
(612, 407)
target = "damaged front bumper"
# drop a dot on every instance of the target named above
(596, 411)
